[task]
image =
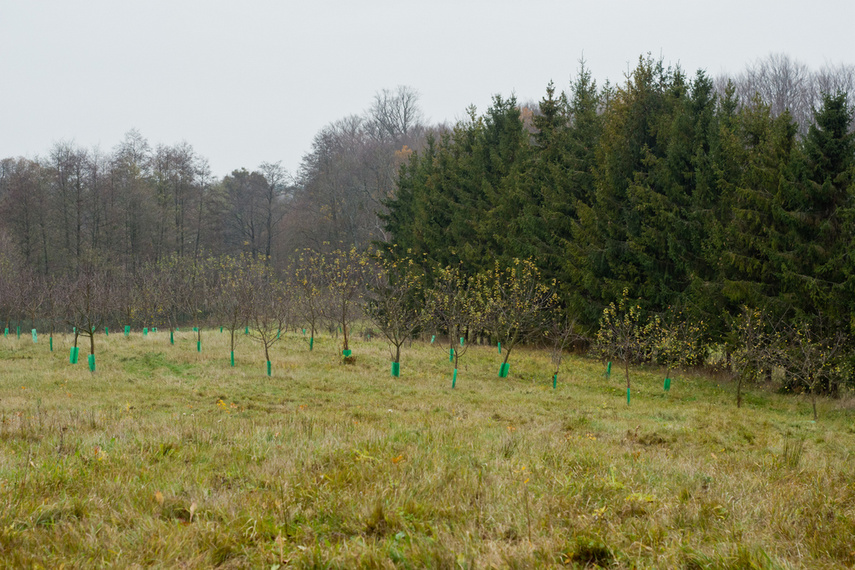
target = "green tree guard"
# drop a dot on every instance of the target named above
(609, 370)
(171, 338)
(500, 348)
(627, 396)
(504, 369)
(50, 341)
(221, 329)
(198, 346)
(667, 384)
(145, 331)
(106, 331)
(91, 363)
(554, 381)
(454, 379)
(346, 353)
(35, 336)
(451, 355)
(396, 370)
(19, 332)
(461, 341)
(232, 358)
(127, 330)
(432, 338)
(311, 343)
(6, 332)
(268, 368)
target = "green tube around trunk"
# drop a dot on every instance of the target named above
(396, 369)
(454, 379)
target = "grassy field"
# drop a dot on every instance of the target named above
(169, 457)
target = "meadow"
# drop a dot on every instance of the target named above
(169, 457)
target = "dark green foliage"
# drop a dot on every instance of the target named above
(665, 187)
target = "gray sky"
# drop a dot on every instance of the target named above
(251, 81)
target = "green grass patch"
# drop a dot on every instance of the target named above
(170, 457)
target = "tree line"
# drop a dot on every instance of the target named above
(662, 193)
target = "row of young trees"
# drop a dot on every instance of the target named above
(246, 294)
(505, 306)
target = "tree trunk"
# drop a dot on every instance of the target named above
(739, 392)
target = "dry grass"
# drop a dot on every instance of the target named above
(168, 457)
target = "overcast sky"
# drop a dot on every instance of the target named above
(247, 81)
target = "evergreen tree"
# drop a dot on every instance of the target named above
(819, 210)
(754, 249)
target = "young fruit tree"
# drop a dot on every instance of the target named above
(560, 332)
(233, 294)
(455, 307)
(677, 341)
(88, 302)
(813, 357)
(625, 335)
(394, 303)
(269, 308)
(515, 305)
(343, 274)
(757, 347)
(308, 278)
(166, 283)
